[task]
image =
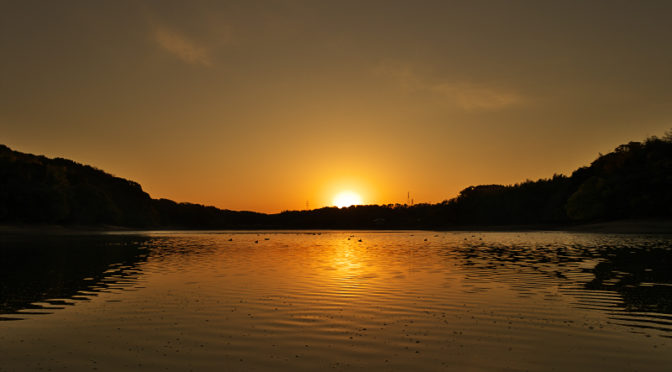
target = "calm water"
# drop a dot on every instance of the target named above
(336, 300)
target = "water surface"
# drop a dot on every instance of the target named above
(406, 300)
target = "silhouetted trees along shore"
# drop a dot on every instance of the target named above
(633, 181)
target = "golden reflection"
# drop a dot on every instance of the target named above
(350, 262)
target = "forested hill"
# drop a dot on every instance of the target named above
(39, 190)
(633, 181)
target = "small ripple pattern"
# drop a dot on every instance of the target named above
(399, 301)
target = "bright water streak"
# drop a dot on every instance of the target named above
(336, 300)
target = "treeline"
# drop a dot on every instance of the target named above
(39, 190)
(633, 181)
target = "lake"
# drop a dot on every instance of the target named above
(336, 300)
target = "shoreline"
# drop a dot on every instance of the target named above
(629, 226)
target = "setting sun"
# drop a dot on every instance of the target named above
(346, 199)
(344, 184)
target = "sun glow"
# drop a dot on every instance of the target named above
(346, 199)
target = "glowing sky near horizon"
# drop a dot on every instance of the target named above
(275, 105)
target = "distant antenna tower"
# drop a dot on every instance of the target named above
(307, 205)
(408, 197)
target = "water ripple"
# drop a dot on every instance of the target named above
(303, 301)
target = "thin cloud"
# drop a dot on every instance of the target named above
(182, 47)
(402, 75)
(466, 95)
(474, 97)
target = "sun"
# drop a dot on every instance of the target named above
(346, 199)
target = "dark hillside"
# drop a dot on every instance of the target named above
(39, 190)
(632, 182)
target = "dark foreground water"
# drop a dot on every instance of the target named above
(403, 301)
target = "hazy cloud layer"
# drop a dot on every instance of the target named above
(471, 96)
(464, 94)
(264, 105)
(181, 46)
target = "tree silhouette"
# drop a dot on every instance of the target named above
(633, 181)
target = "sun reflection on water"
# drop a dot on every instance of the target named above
(361, 301)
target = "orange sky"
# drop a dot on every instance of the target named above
(268, 105)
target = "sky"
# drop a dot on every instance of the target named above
(281, 105)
